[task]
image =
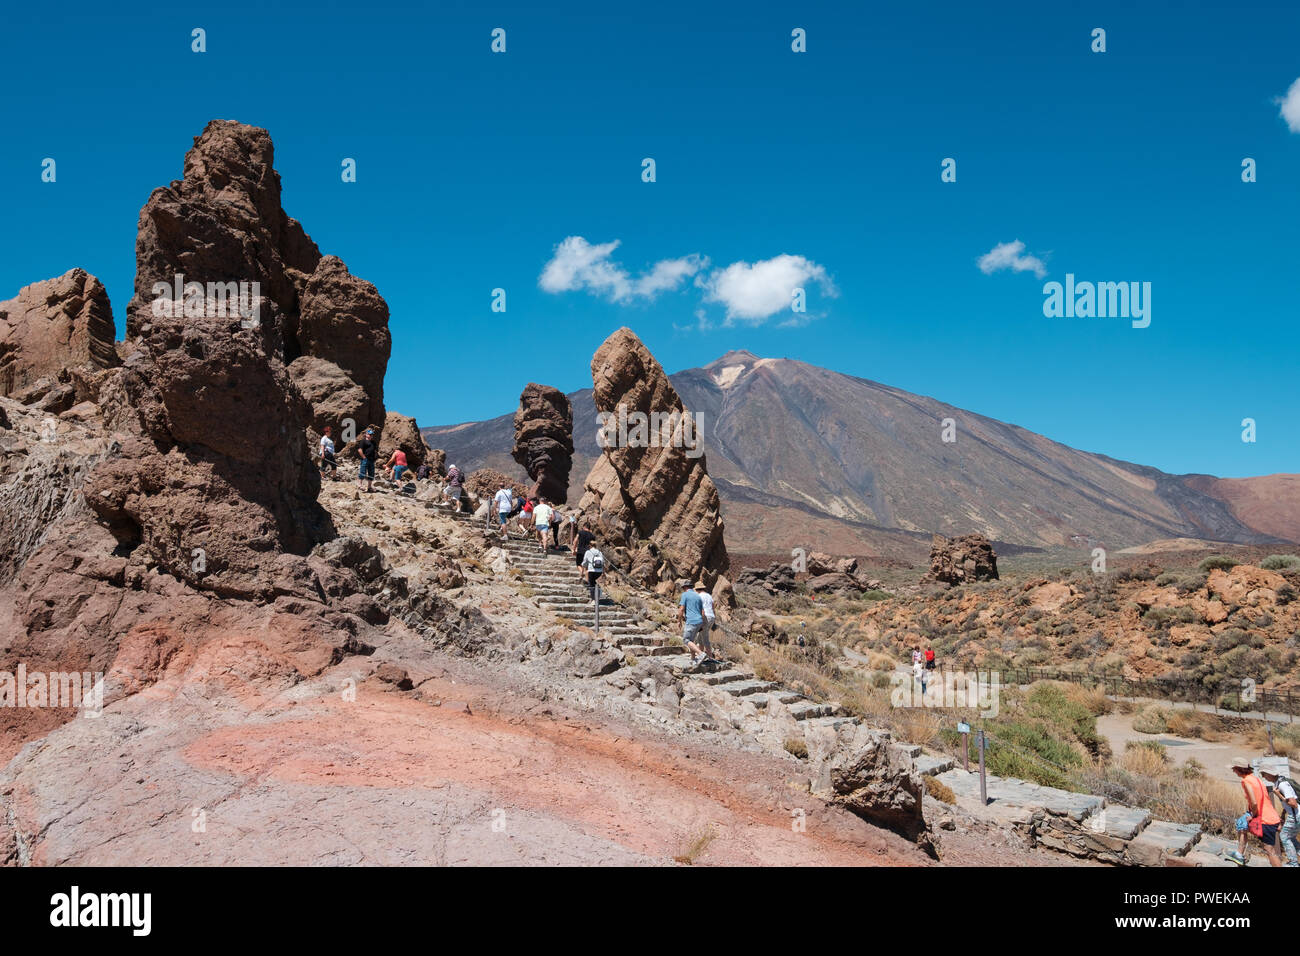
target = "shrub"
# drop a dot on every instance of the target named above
(1167, 579)
(1145, 757)
(1153, 720)
(1217, 562)
(796, 746)
(1280, 562)
(939, 790)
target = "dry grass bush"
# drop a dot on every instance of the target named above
(938, 790)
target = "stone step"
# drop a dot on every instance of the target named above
(657, 640)
(646, 650)
(1161, 839)
(743, 688)
(931, 765)
(834, 723)
(809, 710)
(721, 677)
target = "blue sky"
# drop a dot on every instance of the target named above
(474, 166)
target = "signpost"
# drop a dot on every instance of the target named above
(984, 797)
(963, 728)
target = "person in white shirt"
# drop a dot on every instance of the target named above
(706, 599)
(594, 564)
(505, 502)
(327, 463)
(1287, 833)
(542, 522)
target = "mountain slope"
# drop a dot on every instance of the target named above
(791, 444)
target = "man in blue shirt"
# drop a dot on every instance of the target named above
(690, 614)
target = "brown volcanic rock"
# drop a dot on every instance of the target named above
(544, 439)
(661, 492)
(961, 560)
(53, 326)
(223, 223)
(400, 431)
(344, 320)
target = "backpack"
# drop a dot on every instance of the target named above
(1276, 793)
(595, 560)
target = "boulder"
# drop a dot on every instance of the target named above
(400, 431)
(651, 476)
(544, 440)
(878, 782)
(773, 579)
(961, 560)
(51, 327)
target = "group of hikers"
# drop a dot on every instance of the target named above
(1272, 811)
(396, 469)
(922, 664)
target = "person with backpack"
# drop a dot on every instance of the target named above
(581, 543)
(1261, 818)
(594, 563)
(454, 480)
(505, 501)
(929, 658)
(1285, 792)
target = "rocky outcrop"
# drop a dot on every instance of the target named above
(651, 480)
(773, 579)
(52, 327)
(223, 224)
(961, 560)
(344, 321)
(400, 431)
(878, 781)
(544, 440)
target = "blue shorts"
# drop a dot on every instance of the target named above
(367, 468)
(503, 517)
(397, 472)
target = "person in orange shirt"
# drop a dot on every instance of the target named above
(1261, 817)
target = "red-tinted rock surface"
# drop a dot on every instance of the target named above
(544, 440)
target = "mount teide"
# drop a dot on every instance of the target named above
(804, 456)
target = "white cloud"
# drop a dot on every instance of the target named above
(1291, 107)
(577, 264)
(1010, 255)
(753, 293)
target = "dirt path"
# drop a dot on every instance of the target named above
(1215, 756)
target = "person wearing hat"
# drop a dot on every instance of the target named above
(690, 614)
(706, 631)
(1261, 817)
(1286, 794)
(368, 451)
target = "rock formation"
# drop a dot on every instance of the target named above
(879, 783)
(651, 479)
(223, 224)
(178, 499)
(544, 439)
(50, 331)
(961, 560)
(400, 431)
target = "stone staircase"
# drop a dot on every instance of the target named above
(1085, 825)
(1081, 825)
(556, 586)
